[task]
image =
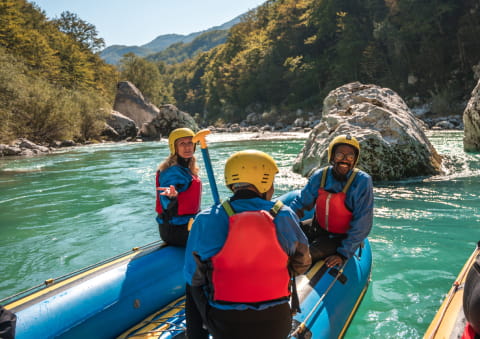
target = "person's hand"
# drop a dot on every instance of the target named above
(170, 192)
(333, 260)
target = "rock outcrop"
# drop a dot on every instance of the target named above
(119, 127)
(393, 144)
(471, 121)
(151, 121)
(130, 102)
(167, 119)
(23, 147)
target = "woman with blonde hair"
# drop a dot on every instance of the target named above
(179, 189)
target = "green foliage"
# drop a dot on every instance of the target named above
(284, 55)
(52, 83)
(33, 108)
(92, 112)
(148, 78)
(82, 32)
(289, 54)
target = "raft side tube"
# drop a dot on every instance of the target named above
(328, 306)
(95, 302)
(328, 297)
(449, 321)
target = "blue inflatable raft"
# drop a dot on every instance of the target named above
(140, 294)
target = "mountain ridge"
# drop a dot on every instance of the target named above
(114, 53)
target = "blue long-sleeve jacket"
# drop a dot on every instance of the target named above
(359, 201)
(209, 233)
(180, 177)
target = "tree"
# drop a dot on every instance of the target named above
(81, 31)
(146, 76)
(52, 85)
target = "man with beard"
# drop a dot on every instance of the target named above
(343, 199)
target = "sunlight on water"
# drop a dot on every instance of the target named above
(80, 205)
(457, 163)
(424, 230)
(224, 137)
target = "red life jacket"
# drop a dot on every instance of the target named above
(251, 266)
(330, 210)
(189, 201)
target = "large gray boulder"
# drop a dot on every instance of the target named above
(119, 127)
(471, 121)
(130, 102)
(393, 143)
(167, 119)
(151, 121)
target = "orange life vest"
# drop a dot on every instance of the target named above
(189, 201)
(330, 210)
(252, 266)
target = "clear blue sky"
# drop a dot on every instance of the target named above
(129, 22)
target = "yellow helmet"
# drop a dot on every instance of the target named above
(346, 140)
(254, 167)
(177, 134)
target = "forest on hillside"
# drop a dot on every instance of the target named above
(53, 84)
(288, 54)
(283, 56)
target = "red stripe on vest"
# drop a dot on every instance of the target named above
(252, 266)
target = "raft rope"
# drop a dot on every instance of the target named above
(456, 286)
(301, 327)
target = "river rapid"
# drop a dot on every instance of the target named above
(77, 206)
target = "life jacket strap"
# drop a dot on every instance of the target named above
(349, 181)
(273, 211)
(324, 177)
(276, 208)
(228, 208)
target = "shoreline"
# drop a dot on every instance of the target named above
(24, 148)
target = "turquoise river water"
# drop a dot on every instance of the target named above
(78, 206)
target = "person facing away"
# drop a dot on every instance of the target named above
(242, 255)
(178, 188)
(343, 199)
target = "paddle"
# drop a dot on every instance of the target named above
(200, 137)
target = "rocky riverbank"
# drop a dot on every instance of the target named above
(24, 147)
(135, 119)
